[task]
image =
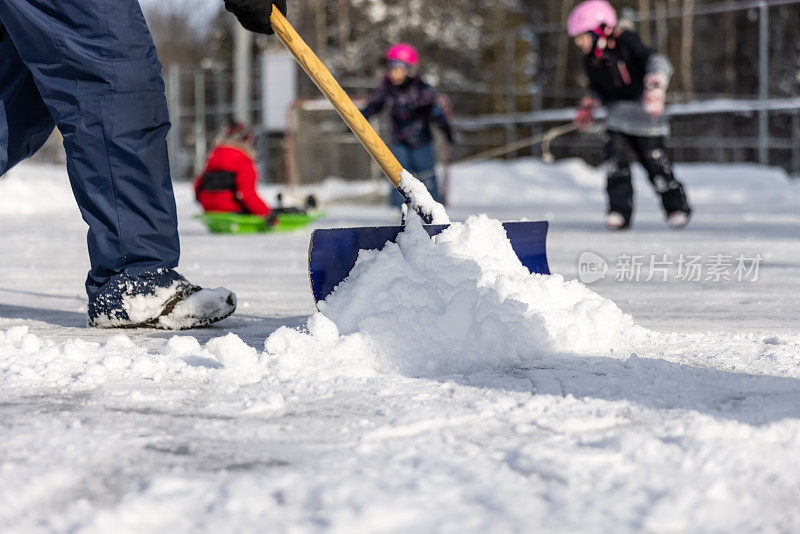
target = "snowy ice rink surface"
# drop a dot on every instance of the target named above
(688, 422)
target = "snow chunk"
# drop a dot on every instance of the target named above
(232, 352)
(30, 344)
(120, 341)
(421, 199)
(180, 346)
(14, 335)
(321, 352)
(323, 329)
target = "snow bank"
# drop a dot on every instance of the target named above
(526, 182)
(27, 361)
(741, 185)
(453, 303)
(31, 188)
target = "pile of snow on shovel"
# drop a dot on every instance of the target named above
(454, 303)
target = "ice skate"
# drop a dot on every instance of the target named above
(615, 221)
(678, 220)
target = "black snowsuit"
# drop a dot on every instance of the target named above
(617, 79)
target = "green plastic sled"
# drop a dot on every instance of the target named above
(237, 223)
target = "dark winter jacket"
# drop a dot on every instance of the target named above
(617, 79)
(412, 108)
(619, 73)
(229, 183)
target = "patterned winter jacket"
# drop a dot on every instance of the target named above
(412, 108)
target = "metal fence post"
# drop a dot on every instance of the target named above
(242, 89)
(796, 144)
(720, 141)
(199, 120)
(511, 93)
(174, 104)
(219, 99)
(535, 87)
(763, 84)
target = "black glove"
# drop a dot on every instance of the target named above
(254, 14)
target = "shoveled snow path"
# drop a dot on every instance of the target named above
(694, 426)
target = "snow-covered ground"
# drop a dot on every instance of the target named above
(498, 403)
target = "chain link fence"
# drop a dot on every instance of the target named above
(737, 128)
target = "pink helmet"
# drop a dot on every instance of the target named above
(588, 16)
(402, 52)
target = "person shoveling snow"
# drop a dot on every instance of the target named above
(97, 77)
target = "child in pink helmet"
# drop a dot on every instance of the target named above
(630, 80)
(412, 105)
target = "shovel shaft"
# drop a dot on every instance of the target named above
(336, 95)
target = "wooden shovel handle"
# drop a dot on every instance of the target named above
(336, 95)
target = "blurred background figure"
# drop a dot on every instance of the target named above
(412, 107)
(228, 182)
(631, 80)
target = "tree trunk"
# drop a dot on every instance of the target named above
(644, 26)
(673, 49)
(687, 47)
(563, 50)
(344, 23)
(662, 27)
(321, 29)
(499, 71)
(730, 53)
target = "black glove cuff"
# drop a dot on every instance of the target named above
(254, 15)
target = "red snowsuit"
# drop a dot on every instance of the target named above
(229, 183)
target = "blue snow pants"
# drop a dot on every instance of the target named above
(419, 161)
(90, 68)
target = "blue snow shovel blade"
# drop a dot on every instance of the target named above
(333, 251)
